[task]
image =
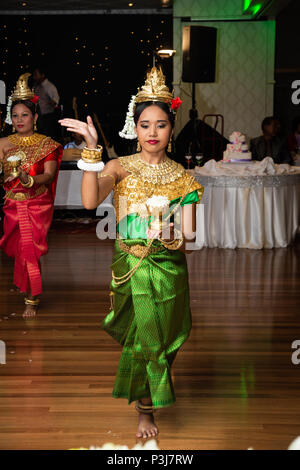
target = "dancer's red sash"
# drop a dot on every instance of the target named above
(28, 250)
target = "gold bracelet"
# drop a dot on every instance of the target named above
(29, 183)
(31, 301)
(101, 175)
(173, 244)
(177, 236)
(99, 148)
(92, 155)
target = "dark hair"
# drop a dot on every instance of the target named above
(140, 107)
(295, 123)
(267, 121)
(29, 104)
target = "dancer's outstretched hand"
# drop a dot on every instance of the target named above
(86, 129)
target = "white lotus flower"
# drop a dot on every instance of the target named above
(157, 202)
(295, 445)
(149, 445)
(13, 158)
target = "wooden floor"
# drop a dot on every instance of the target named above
(235, 384)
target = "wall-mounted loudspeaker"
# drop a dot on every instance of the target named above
(199, 45)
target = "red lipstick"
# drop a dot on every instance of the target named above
(152, 142)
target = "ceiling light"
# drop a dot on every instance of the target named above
(166, 53)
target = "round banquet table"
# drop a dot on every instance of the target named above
(255, 212)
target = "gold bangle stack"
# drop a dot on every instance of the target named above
(29, 183)
(92, 155)
(141, 408)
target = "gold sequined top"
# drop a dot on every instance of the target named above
(36, 148)
(168, 179)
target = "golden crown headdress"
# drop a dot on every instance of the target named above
(22, 90)
(155, 88)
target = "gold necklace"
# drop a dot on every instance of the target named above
(25, 141)
(161, 173)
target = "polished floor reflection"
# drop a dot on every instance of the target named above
(235, 383)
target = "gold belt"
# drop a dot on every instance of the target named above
(139, 250)
(25, 196)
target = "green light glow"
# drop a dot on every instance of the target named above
(256, 8)
(247, 380)
(243, 385)
(247, 4)
(252, 8)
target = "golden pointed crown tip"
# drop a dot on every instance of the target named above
(24, 76)
(22, 90)
(155, 88)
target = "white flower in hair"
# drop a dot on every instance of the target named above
(8, 111)
(128, 131)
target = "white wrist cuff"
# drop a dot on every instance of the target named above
(90, 166)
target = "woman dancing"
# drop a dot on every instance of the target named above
(29, 197)
(150, 310)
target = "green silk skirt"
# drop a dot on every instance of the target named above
(151, 319)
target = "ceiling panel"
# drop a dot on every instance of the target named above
(86, 5)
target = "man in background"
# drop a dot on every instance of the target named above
(78, 142)
(73, 149)
(270, 144)
(48, 104)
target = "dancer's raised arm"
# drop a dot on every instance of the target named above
(94, 187)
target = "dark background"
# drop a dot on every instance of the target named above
(287, 63)
(113, 61)
(102, 67)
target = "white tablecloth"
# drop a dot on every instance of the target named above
(254, 206)
(68, 192)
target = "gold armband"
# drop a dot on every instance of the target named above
(101, 175)
(92, 155)
(29, 183)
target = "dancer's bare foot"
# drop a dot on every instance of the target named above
(146, 426)
(31, 306)
(30, 311)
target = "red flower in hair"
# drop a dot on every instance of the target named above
(35, 99)
(175, 104)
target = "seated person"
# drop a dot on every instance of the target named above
(78, 142)
(270, 144)
(72, 150)
(294, 139)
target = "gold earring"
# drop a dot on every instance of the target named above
(138, 147)
(34, 127)
(170, 145)
(13, 129)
